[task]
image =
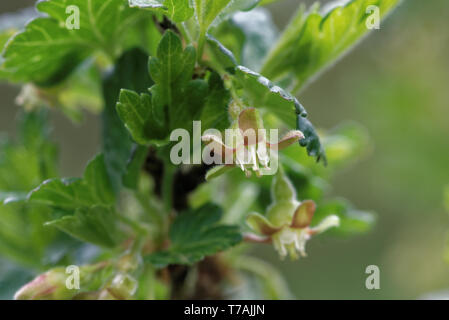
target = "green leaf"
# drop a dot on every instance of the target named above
(5, 35)
(10, 197)
(10, 23)
(129, 72)
(175, 10)
(234, 7)
(23, 237)
(215, 112)
(84, 207)
(136, 112)
(104, 26)
(248, 35)
(311, 141)
(207, 11)
(24, 165)
(241, 5)
(260, 33)
(262, 93)
(170, 70)
(134, 167)
(230, 37)
(221, 55)
(92, 190)
(96, 225)
(352, 221)
(196, 234)
(177, 100)
(314, 40)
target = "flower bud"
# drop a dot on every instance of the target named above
(48, 286)
(53, 284)
(122, 287)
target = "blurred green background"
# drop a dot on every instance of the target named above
(396, 84)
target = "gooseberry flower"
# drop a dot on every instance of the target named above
(287, 221)
(250, 149)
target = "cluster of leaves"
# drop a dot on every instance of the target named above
(155, 66)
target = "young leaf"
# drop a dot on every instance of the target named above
(194, 235)
(262, 93)
(136, 112)
(103, 26)
(176, 99)
(130, 72)
(92, 190)
(314, 40)
(207, 11)
(175, 10)
(215, 111)
(96, 225)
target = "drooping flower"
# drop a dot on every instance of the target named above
(250, 149)
(287, 221)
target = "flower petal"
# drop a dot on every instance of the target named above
(260, 224)
(303, 214)
(327, 223)
(249, 124)
(217, 146)
(290, 138)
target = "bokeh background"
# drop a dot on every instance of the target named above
(396, 84)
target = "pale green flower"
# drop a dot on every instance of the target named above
(287, 221)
